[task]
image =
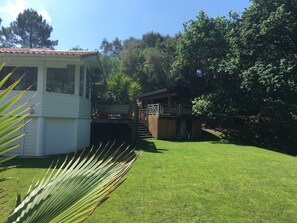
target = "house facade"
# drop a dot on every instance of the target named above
(59, 93)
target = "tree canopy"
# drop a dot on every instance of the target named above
(253, 69)
(29, 30)
(146, 60)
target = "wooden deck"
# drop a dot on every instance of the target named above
(112, 113)
(163, 121)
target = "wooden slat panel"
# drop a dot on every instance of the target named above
(153, 125)
(196, 128)
(166, 129)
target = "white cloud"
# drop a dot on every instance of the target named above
(42, 11)
(10, 10)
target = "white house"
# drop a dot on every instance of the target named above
(60, 92)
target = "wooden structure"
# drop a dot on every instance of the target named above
(166, 114)
(167, 119)
(111, 113)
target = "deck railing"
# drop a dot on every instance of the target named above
(114, 111)
(153, 109)
(165, 110)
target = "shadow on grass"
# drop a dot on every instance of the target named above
(243, 137)
(122, 152)
(148, 146)
(205, 136)
(261, 134)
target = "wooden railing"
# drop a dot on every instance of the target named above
(153, 109)
(112, 111)
(165, 110)
(116, 111)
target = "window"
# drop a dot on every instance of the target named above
(29, 80)
(88, 84)
(82, 81)
(60, 80)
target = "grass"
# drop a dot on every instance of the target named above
(192, 182)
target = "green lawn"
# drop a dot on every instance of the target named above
(194, 182)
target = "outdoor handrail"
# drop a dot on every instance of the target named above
(124, 111)
(177, 110)
(153, 109)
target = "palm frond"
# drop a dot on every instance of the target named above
(72, 192)
(11, 121)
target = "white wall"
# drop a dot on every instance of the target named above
(83, 133)
(60, 123)
(33, 97)
(65, 135)
(60, 105)
(28, 142)
(59, 136)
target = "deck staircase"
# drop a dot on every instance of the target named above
(143, 132)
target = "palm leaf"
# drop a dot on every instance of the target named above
(10, 122)
(72, 192)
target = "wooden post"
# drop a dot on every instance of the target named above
(135, 123)
(169, 100)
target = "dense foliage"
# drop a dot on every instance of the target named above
(253, 68)
(123, 89)
(146, 60)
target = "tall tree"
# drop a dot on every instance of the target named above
(267, 55)
(7, 37)
(148, 60)
(200, 49)
(258, 64)
(32, 31)
(111, 49)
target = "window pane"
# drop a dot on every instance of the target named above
(88, 84)
(60, 80)
(29, 80)
(82, 81)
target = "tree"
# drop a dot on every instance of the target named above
(77, 47)
(111, 49)
(200, 49)
(268, 32)
(152, 40)
(32, 31)
(252, 59)
(266, 51)
(156, 67)
(7, 37)
(123, 89)
(148, 60)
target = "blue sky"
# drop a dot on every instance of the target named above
(87, 22)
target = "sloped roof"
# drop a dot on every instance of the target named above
(157, 92)
(27, 51)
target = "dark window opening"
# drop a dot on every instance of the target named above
(28, 74)
(60, 80)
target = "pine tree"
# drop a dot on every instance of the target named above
(32, 31)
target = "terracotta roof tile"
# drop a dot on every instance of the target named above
(47, 52)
